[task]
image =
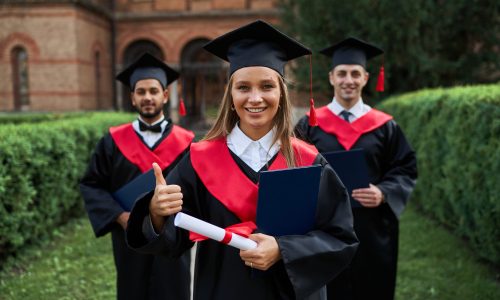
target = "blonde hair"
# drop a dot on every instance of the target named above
(282, 121)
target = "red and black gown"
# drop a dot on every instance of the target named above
(308, 261)
(392, 168)
(120, 156)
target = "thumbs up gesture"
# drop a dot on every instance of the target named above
(166, 201)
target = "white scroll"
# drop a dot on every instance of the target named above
(211, 231)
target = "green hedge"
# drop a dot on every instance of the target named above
(456, 134)
(36, 117)
(40, 165)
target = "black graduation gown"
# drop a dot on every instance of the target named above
(308, 261)
(139, 276)
(393, 169)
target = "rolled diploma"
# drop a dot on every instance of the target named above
(211, 231)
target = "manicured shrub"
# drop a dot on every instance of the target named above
(456, 133)
(40, 166)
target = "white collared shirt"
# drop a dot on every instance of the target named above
(255, 154)
(357, 111)
(149, 137)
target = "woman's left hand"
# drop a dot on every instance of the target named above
(265, 255)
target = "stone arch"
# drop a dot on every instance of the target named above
(131, 38)
(203, 77)
(19, 39)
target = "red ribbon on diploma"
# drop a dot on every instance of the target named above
(244, 229)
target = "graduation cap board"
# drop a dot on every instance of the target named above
(351, 51)
(147, 67)
(287, 200)
(352, 169)
(256, 44)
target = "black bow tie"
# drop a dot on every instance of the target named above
(153, 128)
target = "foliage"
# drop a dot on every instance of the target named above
(455, 133)
(36, 117)
(40, 166)
(427, 43)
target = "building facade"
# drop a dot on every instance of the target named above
(63, 55)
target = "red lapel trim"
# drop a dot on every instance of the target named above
(222, 177)
(139, 154)
(348, 133)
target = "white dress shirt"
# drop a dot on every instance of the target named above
(255, 154)
(357, 111)
(149, 137)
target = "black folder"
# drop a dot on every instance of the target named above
(127, 194)
(287, 200)
(352, 169)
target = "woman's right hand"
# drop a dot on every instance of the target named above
(166, 201)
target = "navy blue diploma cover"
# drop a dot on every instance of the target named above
(287, 200)
(352, 169)
(127, 194)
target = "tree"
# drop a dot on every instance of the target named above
(427, 43)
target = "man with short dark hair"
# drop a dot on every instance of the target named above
(347, 123)
(121, 158)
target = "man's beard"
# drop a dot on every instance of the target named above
(153, 114)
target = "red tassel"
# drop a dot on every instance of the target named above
(312, 114)
(182, 108)
(380, 80)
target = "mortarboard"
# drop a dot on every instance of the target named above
(353, 51)
(257, 44)
(147, 67)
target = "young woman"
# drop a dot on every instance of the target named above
(217, 182)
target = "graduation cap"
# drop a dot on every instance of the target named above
(149, 67)
(256, 44)
(353, 51)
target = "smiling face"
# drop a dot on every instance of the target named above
(348, 82)
(148, 98)
(256, 96)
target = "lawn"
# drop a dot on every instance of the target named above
(433, 264)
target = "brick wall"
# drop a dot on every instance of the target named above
(62, 41)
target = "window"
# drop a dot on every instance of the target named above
(20, 78)
(97, 79)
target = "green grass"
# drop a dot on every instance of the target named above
(433, 264)
(75, 265)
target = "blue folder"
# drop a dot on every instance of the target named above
(287, 200)
(127, 194)
(352, 169)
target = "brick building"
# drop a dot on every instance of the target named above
(62, 55)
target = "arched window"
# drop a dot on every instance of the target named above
(97, 75)
(20, 79)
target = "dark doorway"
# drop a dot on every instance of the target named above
(132, 53)
(203, 77)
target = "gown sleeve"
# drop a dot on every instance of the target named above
(95, 185)
(400, 177)
(314, 259)
(171, 241)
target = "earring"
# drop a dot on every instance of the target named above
(232, 107)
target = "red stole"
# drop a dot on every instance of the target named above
(139, 154)
(222, 177)
(348, 133)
